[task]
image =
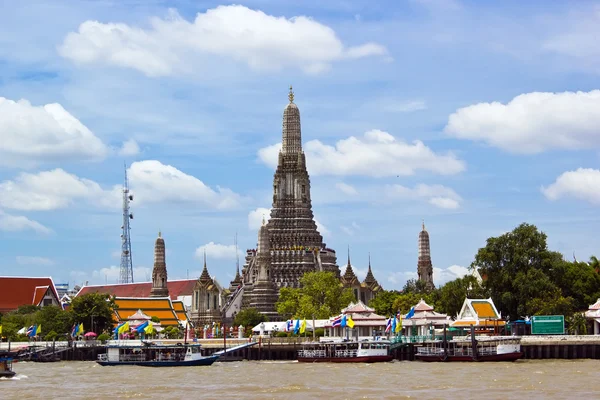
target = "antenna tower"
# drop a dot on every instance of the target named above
(126, 262)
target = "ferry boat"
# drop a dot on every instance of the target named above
(346, 351)
(154, 354)
(488, 349)
(6, 366)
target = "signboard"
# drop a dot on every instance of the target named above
(548, 325)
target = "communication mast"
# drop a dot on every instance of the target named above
(126, 262)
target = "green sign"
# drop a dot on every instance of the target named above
(548, 325)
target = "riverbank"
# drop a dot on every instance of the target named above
(533, 347)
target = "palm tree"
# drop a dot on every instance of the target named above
(595, 263)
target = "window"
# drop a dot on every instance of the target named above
(303, 189)
(47, 302)
(208, 300)
(355, 294)
(215, 302)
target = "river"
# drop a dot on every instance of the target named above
(543, 379)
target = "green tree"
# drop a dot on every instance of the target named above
(383, 302)
(54, 318)
(155, 319)
(415, 286)
(451, 296)
(96, 308)
(507, 263)
(577, 324)
(320, 296)
(579, 281)
(249, 317)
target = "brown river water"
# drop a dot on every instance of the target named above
(530, 379)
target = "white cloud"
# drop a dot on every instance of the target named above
(152, 182)
(129, 148)
(581, 184)
(174, 45)
(532, 122)
(55, 189)
(113, 273)
(30, 260)
(437, 195)
(255, 217)
(15, 223)
(400, 278)
(376, 154)
(346, 189)
(441, 276)
(34, 134)
(216, 250)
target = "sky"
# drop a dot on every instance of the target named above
(471, 116)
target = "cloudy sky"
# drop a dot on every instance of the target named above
(474, 117)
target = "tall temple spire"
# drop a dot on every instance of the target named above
(424, 265)
(370, 278)
(159, 272)
(292, 137)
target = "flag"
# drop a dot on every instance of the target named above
(118, 328)
(22, 331)
(38, 330)
(350, 322)
(31, 331)
(411, 313)
(388, 325)
(399, 325)
(297, 327)
(343, 323)
(124, 328)
(393, 324)
(80, 330)
(141, 327)
(149, 328)
(302, 327)
(74, 330)
(337, 321)
(0, 329)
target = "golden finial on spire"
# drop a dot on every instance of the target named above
(159, 233)
(291, 95)
(423, 222)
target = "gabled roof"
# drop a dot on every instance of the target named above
(160, 307)
(595, 306)
(180, 310)
(478, 312)
(183, 287)
(422, 306)
(20, 291)
(358, 307)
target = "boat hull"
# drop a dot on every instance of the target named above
(182, 363)
(489, 357)
(364, 359)
(7, 374)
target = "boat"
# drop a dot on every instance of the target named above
(346, 351)
(154, 354)
(6, 366)
(483, 349)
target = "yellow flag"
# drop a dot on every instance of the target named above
(38, 330)
(149, 329)
(0, 329)
(303, 326)
(124, 328)
(81, 328)
(399, 325)
(349, 322)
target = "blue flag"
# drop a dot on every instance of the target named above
(411, 313)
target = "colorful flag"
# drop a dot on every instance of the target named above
(74, 330)
(343, 324)
(394, 324)
(388, 325)
(141, 327)
(337, 321)
(399, 325)
(302, 327)
(118, 328)
(80, 331)
(149, 328)
(411, 313)
(31, 331)
(124, 328)
(297, 327)
(38, 330)
(350, 322)
(0, 329)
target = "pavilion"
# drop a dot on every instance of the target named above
(480, 313)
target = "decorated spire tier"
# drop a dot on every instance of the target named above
(424, 265)
(159, 272)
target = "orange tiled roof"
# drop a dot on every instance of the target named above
(180, 310)
(154, 307)
(484, 309)
(39, 293)
(21, 291)
(183, 287)
(481, 322)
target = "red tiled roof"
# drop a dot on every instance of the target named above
(20, 291)
(183, 287)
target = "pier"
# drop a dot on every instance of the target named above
(265, 348)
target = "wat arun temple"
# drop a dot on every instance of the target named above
(289, 244)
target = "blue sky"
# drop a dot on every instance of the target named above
(472, 116)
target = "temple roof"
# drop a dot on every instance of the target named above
(160, 307)
(370, 278)
(358, 307)
(20, 291)
(349, 276)
(478, 312)
(422, 306)
(177, 288)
